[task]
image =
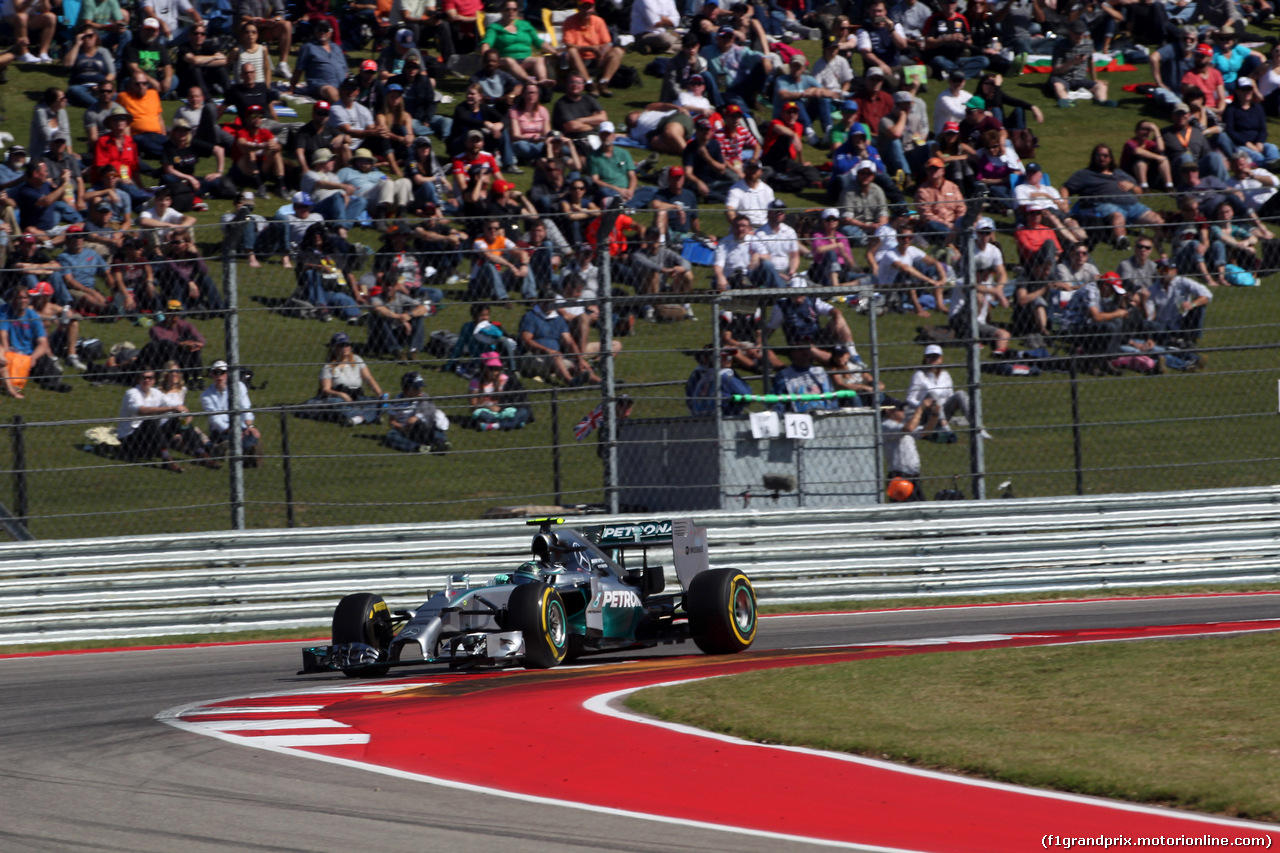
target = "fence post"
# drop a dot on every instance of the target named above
(610, 424)
(873, 340)
(555, 444)
(287, 459)
(19, 470)
(977, 456)
(1075, 426)
(236, 468)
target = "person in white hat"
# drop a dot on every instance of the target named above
(215, 401)
(864, 206)
(612, 167)
(932, 381)
(992, 278)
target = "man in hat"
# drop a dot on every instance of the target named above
(1034, 191)
(257, 155)
(173, 338)
(215, 401)
(102, 230)
(243, 227)
(397, 54)
(700, 387)
(297, 223)
(62, 161)
(13, 168)
(1245, 121)
(803, 377)
(273, 25)
(550, 349)
(1095, 316)
(1185, 143)
(991, 281)
(589, 45)
(612, 167)
(141, 97)
(474, 161)
(318, 133)
(746, 70)
(61, 324)
(1176, 305)
(1073, 69)
(335, 200)
(812, 100)
(677, 206)
(1205, 77)
(322, 63)
(382, 193)
(147, 52)
(417, 424)
(863, 207)
(653, 23)
(781, 242)
(751, 196)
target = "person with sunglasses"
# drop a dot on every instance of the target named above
(141, 435)
(577, 211)
(96, 114)
(91, 64)
(201, 63)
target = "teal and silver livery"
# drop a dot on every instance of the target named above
(582, 592)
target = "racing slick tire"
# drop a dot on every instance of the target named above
(363, 618)
(721, 604)
(537, 611)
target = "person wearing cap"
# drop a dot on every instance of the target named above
(417, 424)
(1245, 123)
(746, 70)
(933, 382)
(990, 288)
(688, 62)
(473, 162)
(947, 40)
(61, 324)
(677, 207)
(173, 338)
(1073, 69)
(342, 382)
(654, 23)
(577, 114)
(899, 432)
(13, 167)
(700, 387)
(273, 24)
(833, 262)
(900, 137)
(149, 53)
(166, 15)
(1185, 143)
(324, 280)
(693, 99)
(1111, 194)
(1236, 62)
(611, 167)
(396, 314)
(162, 216)
(241, 229)
(322, 63)
(201, 62)
(1033, 190)
(1095, 316)
(297, 223)
(61, 160)
(400, 52)
(318, 134)
(863, 206)
(28, 262)
(1204, 76)
(1176, 307)
(353, 120)
(395, 119)
(589, 45)
(812, 100)
(250, 91)
(942, 206)
(549, 347)
(105, 234)
(333, 200)
(215, 401)
(803, 377)
(751, 196)
(258, 157)
(75, 284)
(898, 264)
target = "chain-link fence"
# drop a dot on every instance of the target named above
(1145, 386)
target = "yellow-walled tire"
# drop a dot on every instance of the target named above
(363, 618)
(537, 611)
(721, 604)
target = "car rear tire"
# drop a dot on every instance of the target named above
(537, 611)
(721, 604)
(363, 618)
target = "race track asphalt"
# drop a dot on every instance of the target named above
(85, 766)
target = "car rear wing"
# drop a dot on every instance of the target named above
(688, 542)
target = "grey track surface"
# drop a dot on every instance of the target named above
(84, 766)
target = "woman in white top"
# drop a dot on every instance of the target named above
(342, 381)
(950, 105)
(933, 381)
(140, 436)
(250, 52)
(179, 432)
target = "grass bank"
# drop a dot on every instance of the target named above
(1187, 723)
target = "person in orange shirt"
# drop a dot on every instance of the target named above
(141, 98)
(587, 43)
(941, 203)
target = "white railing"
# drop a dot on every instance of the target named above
(181, 584)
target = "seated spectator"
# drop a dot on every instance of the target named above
(420, 99)
(740, 72)
(322, 63)
(545, 254)
(549, 348)
(1246, 126)
(1037, 295)
(12, 167)
(175, 339)
(249, 50)
(1253, 185)
(1073, 69)
(528, 124)
(1138, 271)
(611, 167)
(417, 424)
(61, 324)
(178, 432)
(1110, 194)
(578, 114)
(933, 382)
(396, 320)
(1175, 308)
(781, 242)
(1269, 83)
(104, 233)
(496, 400)
(355, 121)
(588, 45)
(140, 433)
(577, 211)
(1094, 319)
(178, 171)
(833, 262)
(1185, 143)
(333, 199)
(751, 196)
(706, 166)
(653, 23)
(61, 159)
(738, 143)
(388, 197)
(185, 277)
(133, 279)
(207, 137)
(1240, 239)
(498, 266)
(848, 373)
(343, 379)
(813, 102)
(248, 91)
(215, 401)
(905, 268)
(296, 224)
(322, 281)
(473, 119)
(942, 205)
(994, 166)
(43, 207)
(26, 264)
(1206, 121)
(990, 287)
(803, 377)
(319, 134)
(1145, 153)
(1193, 248)
(882, 41)
(118, 151)
(444, 243)
(108, 20)
(677, 207)
(863, 206)
(700, 388)
(947, 40)
(783, 148)
(950, 105)
(742, 261)
(162, 216)
(477, 336)
(202, 63)
(660, 269)
(141, 97)
(800, 318)
(243, 227)
(91, 64)
(257, 156)
(1203, 76)
(1010, 111)
(79, 268)
(900, 136)
(899, 432)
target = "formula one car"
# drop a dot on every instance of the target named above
(577, 595)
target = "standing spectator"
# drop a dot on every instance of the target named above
(417, 424)
(140, 434)
(589, 45)
(899, 432)
(322, 63)
(1073, 69)
(269, 17)
(215, 401)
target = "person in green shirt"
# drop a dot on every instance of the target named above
(519, 44)
(108, 20)
(612, 167)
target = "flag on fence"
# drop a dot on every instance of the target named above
(590, 423)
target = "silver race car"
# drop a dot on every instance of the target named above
(583, 591)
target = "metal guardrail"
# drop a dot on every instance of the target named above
(181, 584)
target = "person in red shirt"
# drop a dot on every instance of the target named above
(1207, 79)
(734, 138)
(588, 43)
(459, 18)
(875, 102)
(116, 148)
(622, 226)
(474, 155)
(257, 153)
(783, 140)
(1033, 235)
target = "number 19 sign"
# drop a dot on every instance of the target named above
(799, 427)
